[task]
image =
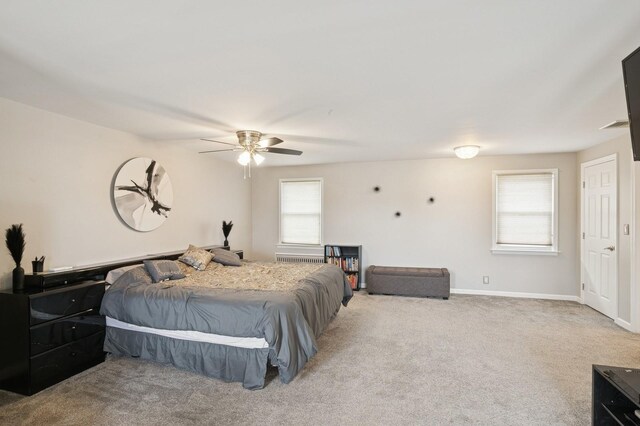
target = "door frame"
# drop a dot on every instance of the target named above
(583, 166)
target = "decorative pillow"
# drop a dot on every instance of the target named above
(136, 274)
(162, 270)
(185, 269)
(226, 257)
(114, 274)
(196, 257)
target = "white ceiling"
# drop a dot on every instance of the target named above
(340, 80)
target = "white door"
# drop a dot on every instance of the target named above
(599, 256)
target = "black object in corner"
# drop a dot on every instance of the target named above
(631, 75)
(615, 396)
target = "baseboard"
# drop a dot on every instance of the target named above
(517, 294)
(624, 324)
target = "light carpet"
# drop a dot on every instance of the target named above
(383, 360)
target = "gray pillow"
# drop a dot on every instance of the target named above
(137, 274)
(226, 257)
(114, 274)
(162, 270)
(197, 257)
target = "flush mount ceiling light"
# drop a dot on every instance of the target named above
(250, 145)
(467, 151)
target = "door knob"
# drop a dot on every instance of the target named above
(610, 248)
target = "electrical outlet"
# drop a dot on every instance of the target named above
(485, 280)
(625, 229)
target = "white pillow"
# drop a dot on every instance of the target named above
(114, 274)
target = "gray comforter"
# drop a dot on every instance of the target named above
(289, 321)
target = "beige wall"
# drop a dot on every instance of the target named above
(622, 148)
(56, 180)
(454, 232)
(57, 172)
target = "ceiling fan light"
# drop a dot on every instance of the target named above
(467, 151)
(244, 158)
(258, 158)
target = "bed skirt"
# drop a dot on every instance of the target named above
(229, 363)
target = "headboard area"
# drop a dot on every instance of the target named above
(96, 272)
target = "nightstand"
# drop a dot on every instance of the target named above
(48, 335)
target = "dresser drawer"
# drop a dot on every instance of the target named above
(63, 362)
(60, 332)
(54, 304)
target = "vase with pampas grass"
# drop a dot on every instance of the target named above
(226, 230)
(15, 240)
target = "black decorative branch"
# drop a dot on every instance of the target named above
(148, 192)
(226, 228)
(16, 243)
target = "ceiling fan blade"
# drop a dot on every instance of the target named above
(216, 150)
(283, 151)
(211, 140)
(269, 142)
(319, 140)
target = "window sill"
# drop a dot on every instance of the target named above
(524, 251)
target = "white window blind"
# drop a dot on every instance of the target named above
(525, 209)
(300, 211)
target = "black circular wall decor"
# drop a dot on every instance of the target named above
(376, 189)
(142, 194)
(398, 214)
(432, 200)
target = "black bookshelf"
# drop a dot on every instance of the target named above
(349, 258)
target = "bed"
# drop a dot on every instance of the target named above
(226, 322)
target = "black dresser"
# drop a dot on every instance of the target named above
(48, 335)
(615, 396)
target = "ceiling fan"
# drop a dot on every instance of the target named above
(250, 144)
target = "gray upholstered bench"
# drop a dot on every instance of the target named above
(402, 281)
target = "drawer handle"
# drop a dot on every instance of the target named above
(73, 327)
(73, 300)
(72, 354)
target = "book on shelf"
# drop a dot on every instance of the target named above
(333, 251)
(345, 263)
(353, 280)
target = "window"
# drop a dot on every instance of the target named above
(525, 216)
(300, 211)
